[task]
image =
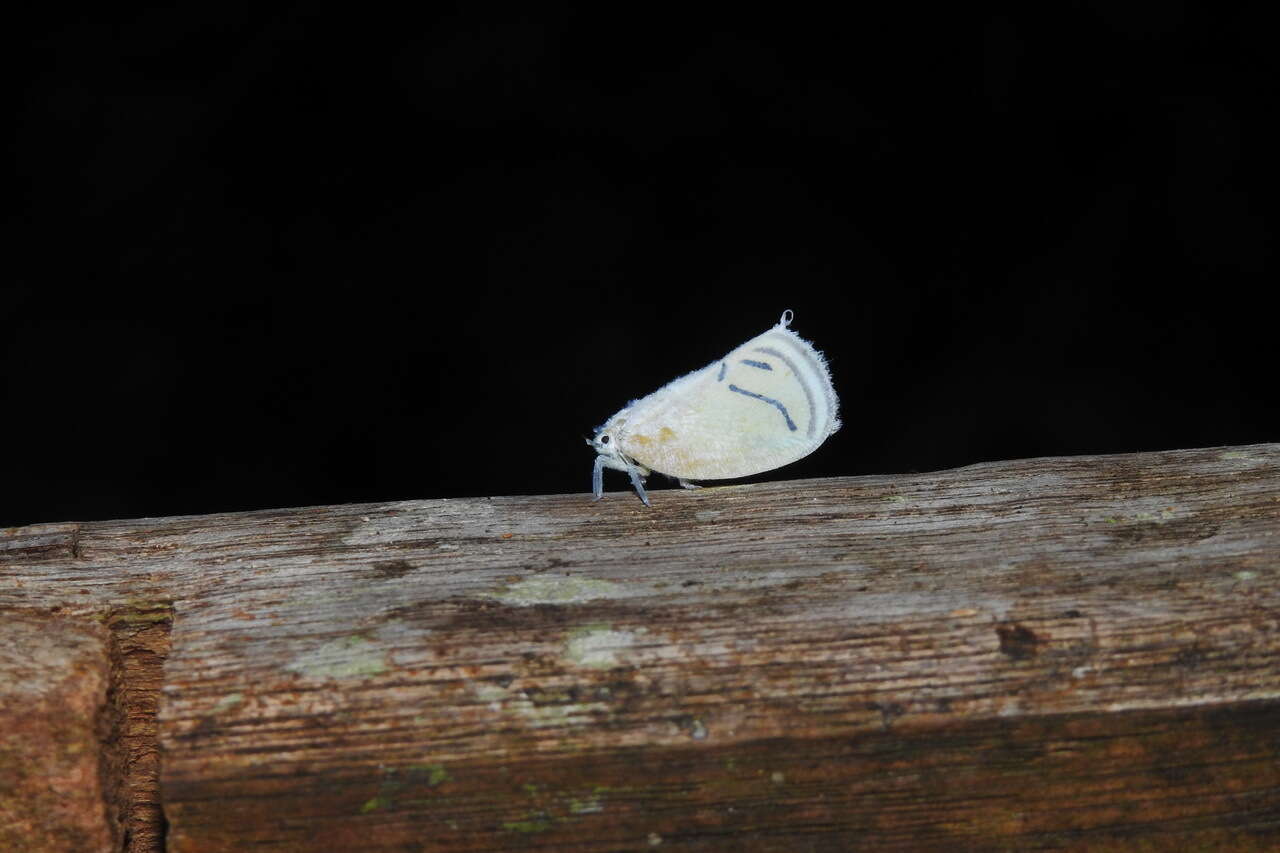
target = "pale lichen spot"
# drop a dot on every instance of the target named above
(492, 694)
(533, 822)
(1156, 515)
(537, 708)
(586, 805)
(339, 659)
(597, 646)
(226, 703)
(560, 590)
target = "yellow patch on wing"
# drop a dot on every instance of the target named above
(666, 434)
(684, 460)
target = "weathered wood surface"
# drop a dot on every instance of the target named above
(1075, 653)
(54, 675)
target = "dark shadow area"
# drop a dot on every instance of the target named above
(287, 257)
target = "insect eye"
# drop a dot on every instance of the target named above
(604, 439)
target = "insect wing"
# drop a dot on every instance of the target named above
(766, 404)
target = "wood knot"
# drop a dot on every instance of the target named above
(389, 569)
(1017, 641)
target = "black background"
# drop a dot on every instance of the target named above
(273, 256)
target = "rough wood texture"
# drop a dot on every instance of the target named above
(140, 644)
(1071, 653)
(43, 582)
(55, 789)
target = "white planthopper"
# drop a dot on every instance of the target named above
(762, 406)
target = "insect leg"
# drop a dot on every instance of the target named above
(639, 484)
(597, 478)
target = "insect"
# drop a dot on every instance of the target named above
(762, 406)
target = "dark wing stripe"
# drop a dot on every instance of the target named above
(807, 354)
(763, 365)
(804, 385)
(791, 425)
(720, 378)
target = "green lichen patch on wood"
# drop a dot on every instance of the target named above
(375, 803)
(408, 788)
(350, 657)
(435, 773)
(535, 822)
(138, 612)
(226, 703)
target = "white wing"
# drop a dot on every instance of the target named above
(767, 403)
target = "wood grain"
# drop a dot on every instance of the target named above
(56, 780)
(1077, 653)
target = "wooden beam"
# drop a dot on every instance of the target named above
(1078, 653)
(57, 788)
